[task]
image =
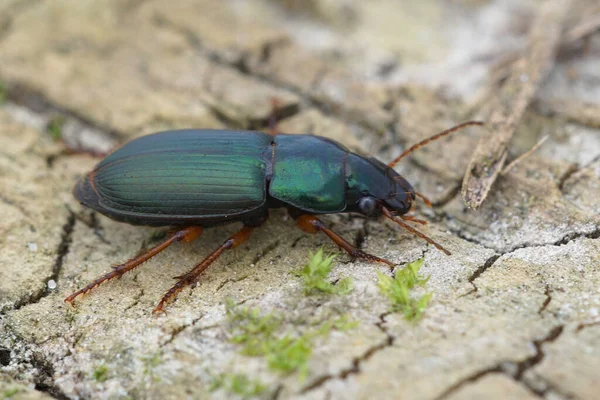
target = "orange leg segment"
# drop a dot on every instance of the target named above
(311, 224)
(189, 278)
(413, 219)
(275, 105)
(184, 235)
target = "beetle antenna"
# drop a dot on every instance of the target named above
(421, 196)
(431, 139)
(412, 230)
(425, 199)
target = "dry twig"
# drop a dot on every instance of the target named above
(573, 110)
(524, 155)
(512, 100)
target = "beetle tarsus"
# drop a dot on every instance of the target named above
(190, 277)
(185, 235)
(311, 224)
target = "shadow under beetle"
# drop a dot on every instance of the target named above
(192, 179)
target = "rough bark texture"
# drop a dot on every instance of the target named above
(515, 310)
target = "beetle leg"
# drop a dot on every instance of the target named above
(187, 279)
(273, 130)
(311, 224)
(413, 219)
(185, 235)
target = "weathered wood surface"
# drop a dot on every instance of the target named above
(516, 308)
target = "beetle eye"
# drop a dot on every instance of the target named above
(368, 205)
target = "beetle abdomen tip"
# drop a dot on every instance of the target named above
(85, 193)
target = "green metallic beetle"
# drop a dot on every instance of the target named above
(192, 179)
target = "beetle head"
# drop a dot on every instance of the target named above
(372, 185)
(374, 189)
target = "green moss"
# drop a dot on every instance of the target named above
(55, 126)
(3, 93)
(398, 289)
(158, 235)
(150, 363)
(289, 354)
(260, 336)
(344, 323)
(11, 392)
(239, 384)
(101, 373)
(315, 274)
(250, 328)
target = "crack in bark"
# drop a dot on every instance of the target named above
(6, 23)
(240, 64)
(91, 222)
(40, 371)
(356, 361)
(230, 280)
(44, 381)
(295, 242)
(548, 294)
(462, 236)
(16, 205)
(576, 235)
(34, 100)
(573, 168)
(595, 234)
(277, 392)
(261, 254)
(513, 369)
(61, 252)
(137, 298)
(585, 325)
(490, 261)
(27, 364)
(486, 265)
(361, 235)
(51, 390)
(12, 12)
(178, 330)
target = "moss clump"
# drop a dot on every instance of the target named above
(150, 363)
(239, 384)
(260, 336)
(55, 127)
(250, 328)
(398, 289)
(3, 93)
(315, 274)
(11, 392)
(101, 373)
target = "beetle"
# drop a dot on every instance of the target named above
(194, 179)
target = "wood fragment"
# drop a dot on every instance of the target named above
(512, 100)
(572, 110)
(524, 155)
(589, 25)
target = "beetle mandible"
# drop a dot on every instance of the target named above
(193, 179)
